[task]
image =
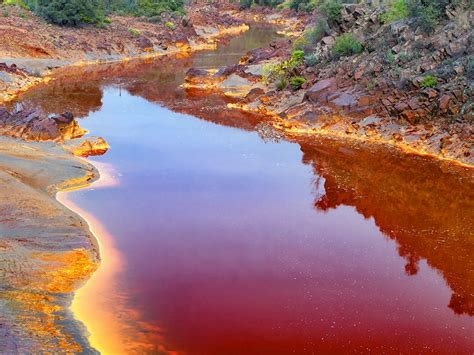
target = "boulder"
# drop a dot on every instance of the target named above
(89, 147)
(314, 93)
(443, 103)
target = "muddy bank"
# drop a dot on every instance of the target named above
(47, 251)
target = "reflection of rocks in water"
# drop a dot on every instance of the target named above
(268, 133)
(80, 97)
(426, 206)
(79, 90)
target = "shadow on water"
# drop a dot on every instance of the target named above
(233, 246)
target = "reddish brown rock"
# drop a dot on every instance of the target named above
(443, 103)
(90, 147)
(401, 106)
(431, 93)
(358, 74)
(409, 115)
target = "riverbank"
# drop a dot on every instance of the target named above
(401, 88)
(81, 259)
(43, 306)
(47, 250)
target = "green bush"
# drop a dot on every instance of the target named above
(331, 9)
(5, 13)
(19, 3)
(170, 25)
(284, 69)
(281, 83)
(389, 57)
(134, 32)
(316, 33)
(311, 60)
(150, 8)
(347, 45)
(245, 4)
(296, 82)
(297, 57)
(426, 13)
(428, 81)
(303, 5)
(300, 43)
(70, 12)
(311, 36)
(398, 10)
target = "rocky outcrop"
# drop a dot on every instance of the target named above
(89, 146)
(33, 125)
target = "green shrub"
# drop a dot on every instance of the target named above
(296, 82)
(346, 45)
(19, 3)
(245, 4)
(300, 43)
(70, 12)
(316, 33)
(281, 83)
(150, 8)
(154, 19)
(275, 72)
(426, 13)
(331, 9)
(428, 81)
(5, 13)
(303, 5)
(107, 20)
(134, 32)
(170, 25)
(398, 10)
(297, 57)
(389, 57)
(22, 15)
(311, 60)
(311, 36)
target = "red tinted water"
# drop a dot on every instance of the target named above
(235, 245)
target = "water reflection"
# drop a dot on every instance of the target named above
(226, 251)
(426, 206)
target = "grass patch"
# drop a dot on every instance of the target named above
(429, 81)
(347, 45)
(397, 10)
(134, 32)
(296, 82)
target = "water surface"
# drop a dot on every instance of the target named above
(233, 244)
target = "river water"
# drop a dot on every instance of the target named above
(219, 241)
